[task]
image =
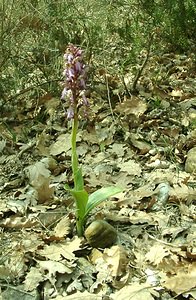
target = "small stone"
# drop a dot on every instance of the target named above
(100, 234)
(190, 165)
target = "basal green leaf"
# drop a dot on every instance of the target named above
(99, 196)
(81, 198)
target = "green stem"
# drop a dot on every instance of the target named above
(74, 152)
(78, 179)
(79, 226)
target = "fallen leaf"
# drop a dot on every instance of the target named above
(130, 167)
(156, 254)
(65, 249)
(116, 258)
(33, 278)
(53, 267)
(62, 228)
(134, 105)
(135, 291)
(183, 281)
(80, 296)
(63, 144)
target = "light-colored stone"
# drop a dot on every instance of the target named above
(100, 234)
(190, 165)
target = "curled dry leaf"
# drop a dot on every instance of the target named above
(39, 177)
(62, 228)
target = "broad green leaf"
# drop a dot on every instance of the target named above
(81, 198)
(99, 196)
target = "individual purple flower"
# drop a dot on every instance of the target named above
(82, 83)
(85, 100)
(70, 74)
(70, 113)
(78, 66)
(64, 93)
(69, 57)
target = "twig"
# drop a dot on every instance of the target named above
(108, 94)
(140, 70)
(126, 88)
(163, 242)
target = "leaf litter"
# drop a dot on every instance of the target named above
(146, 145)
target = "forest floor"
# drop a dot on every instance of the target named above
(145, 144)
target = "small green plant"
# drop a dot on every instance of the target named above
(75, 93)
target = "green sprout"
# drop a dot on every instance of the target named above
(75, 93)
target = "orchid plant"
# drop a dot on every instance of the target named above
(74, 92)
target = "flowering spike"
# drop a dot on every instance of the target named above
(75, 80)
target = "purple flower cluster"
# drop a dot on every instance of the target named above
(75, 81)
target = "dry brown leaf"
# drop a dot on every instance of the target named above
(39, 177)
(130, 167)
(141, 217)
(156, 254)
(94, 180)
(183, 281)
(56, 251)
(90, 137)
(37, 174)
(16, 263)
(104, 136)
(65, 249)
(80, 296)
(62, 228)
(63, 144)
(116, 258)
(95, 255)
(82, 149)
(111, 265)
(41, 144)
(135, 291)
(117, 149)
(19, 222)
(45, 192)
(5, 273)
(33, 278)
(134, 105)
(168, 175)
(139, 143)
(53, 267)
(182, 192)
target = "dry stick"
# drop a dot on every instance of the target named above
(109, 99)
(125, 86)
(139, 72)
(108, 94)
